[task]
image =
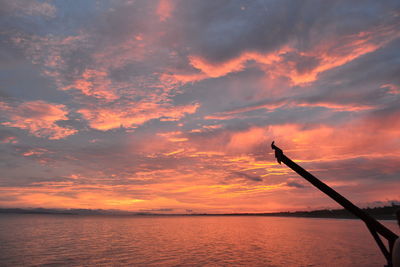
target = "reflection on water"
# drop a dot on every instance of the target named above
(30, 240)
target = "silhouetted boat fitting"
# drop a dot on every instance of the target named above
(373, 225)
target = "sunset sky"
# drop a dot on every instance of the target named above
(171, 106)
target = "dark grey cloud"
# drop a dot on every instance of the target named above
(223, 29)
(359, 81)
(251, 177)
(294, 184)
(223, 23)
(5, 134)
(158, 210)
(29, 181)
(361, 169)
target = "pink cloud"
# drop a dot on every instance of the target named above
(392, 88)
(164, 9)
(31, 8)
(39, 118)
(9, 140)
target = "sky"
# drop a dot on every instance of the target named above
(170, 106)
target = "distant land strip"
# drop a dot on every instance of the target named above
(380, 213)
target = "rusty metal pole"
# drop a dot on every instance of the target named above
(373, 225)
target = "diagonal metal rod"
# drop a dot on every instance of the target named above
(373, 225)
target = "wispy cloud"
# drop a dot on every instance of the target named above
(29, 8)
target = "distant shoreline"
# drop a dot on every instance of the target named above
(379, 213)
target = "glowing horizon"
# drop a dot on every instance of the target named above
(172, 105)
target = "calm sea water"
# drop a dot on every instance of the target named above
(62, 240)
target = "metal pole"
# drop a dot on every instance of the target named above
(373, 225)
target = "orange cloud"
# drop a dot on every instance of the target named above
(39, 118)
(328, 54)
(35, 152)
(368, 136)
(173, 136)
(110, 118)
(218, 70)
(215, 70)
(337, 107)
(247, 140)
(336, 52)
(94, 83)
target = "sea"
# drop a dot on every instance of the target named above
(77, 240)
